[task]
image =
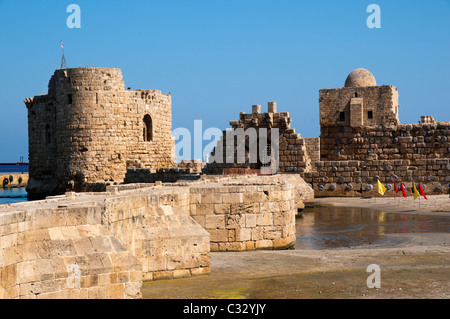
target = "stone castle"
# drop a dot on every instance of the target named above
(88, 130)
(361, 140)
(103, 151)
(101, 235)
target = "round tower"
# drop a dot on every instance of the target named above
(90, 150)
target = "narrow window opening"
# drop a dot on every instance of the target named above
(69, 98)
(48, 135)
(370, 115)
(356, 94)
(148, 128)
(341, 116)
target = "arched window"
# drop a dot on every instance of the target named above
(48, 135)
(148, 128)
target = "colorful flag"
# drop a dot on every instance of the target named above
(395, 186)
(403, 189)
(62, 46)
(380, 188)
(415, 191)
(422, 192)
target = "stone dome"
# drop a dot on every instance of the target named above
(360, 78)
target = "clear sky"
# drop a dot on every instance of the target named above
(218, 57)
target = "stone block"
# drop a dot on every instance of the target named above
(200, 271)
(222, 208)
(215, 221)
(218, 235)
(116, 291)
(264, 244)
(204, 209)
(281, 243)
(264, 219)
(243, 234)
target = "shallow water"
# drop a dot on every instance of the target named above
(284, 274)
(326, 227)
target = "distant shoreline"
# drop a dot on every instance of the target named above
(7, 183)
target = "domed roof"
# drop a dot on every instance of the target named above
(359, 78)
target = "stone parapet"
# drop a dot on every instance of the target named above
(105, 244)
(257, 213)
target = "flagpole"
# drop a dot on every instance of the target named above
(63, 59)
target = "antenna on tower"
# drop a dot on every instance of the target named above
(63, 59)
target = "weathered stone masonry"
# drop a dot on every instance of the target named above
(105, 244)
(361, 141)
(88, 130)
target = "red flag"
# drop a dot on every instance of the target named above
(403, 190)
(422, 192)
(395, 186)
(62, 46)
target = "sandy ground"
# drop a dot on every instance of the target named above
(417, 267)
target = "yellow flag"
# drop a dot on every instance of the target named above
(380, 188)
(416, 192)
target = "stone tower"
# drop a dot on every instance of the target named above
(360, 105)
(88, 130)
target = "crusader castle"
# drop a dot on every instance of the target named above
(104, 151)
(89, 131)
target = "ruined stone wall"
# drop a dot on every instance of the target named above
(194, 165)
(88, 129)
(359, 178)
(103, 245)
(312, 147)
(157, 229)
(403, 141)
(99, 245)
(292, 152)
(41, 144)
(64, 253)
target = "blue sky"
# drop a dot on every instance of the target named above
(219, 57)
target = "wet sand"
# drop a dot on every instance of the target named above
(412, 265)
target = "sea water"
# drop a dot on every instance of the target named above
(14, 168)
(13, 195)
